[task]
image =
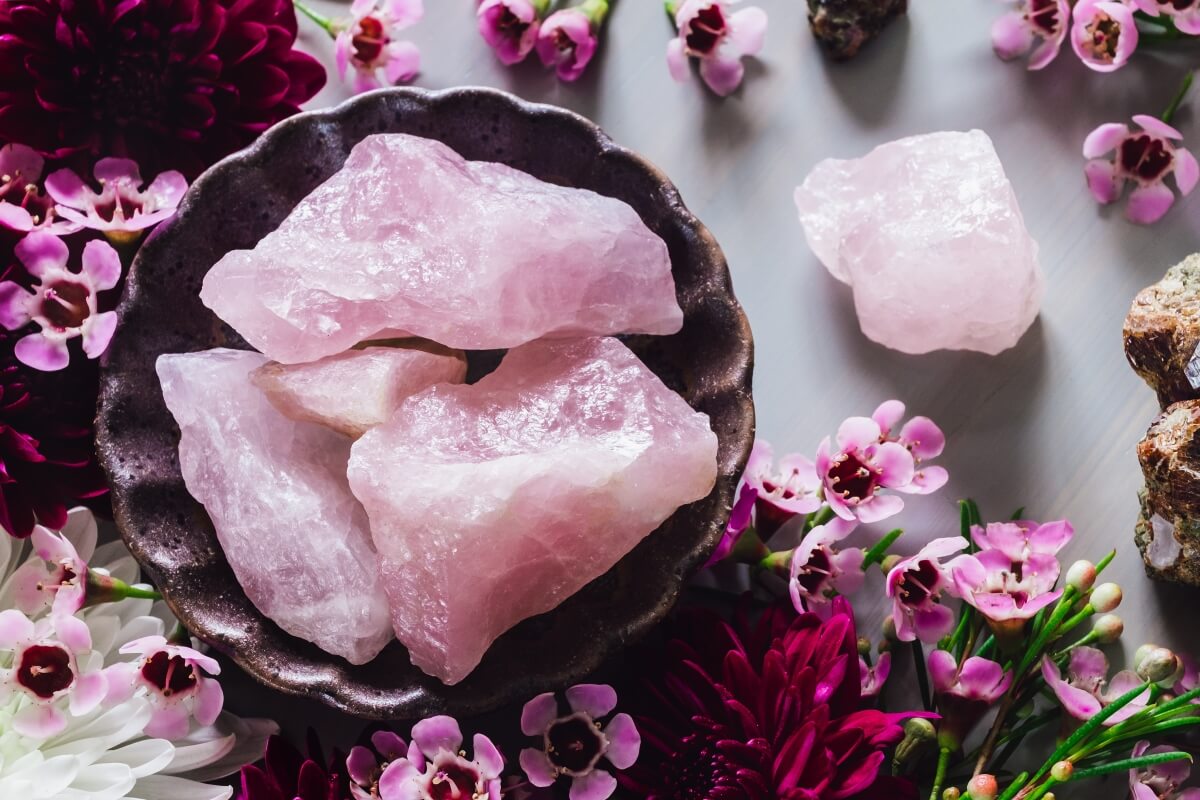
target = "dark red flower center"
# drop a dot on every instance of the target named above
(918, 584)
(816, 572)
(512, 26)
(1146, 157)
(114, 203)
(65, 304)
(453, 780)
(369, 41)
(1105, 36)
(564, 43)
(706, 30)
(852, 477)
(169, 674)
(1043, 15)
(574, 744)
(45, 670)
(701, 771)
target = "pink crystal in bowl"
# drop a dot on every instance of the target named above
(244, 197)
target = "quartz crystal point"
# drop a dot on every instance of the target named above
(927, 232)
(410, 238)
(1162, 333)
(493, 502)
(358, 389)
(277, 494)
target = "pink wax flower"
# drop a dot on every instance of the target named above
(863, 465)
(819, 571)
(740, 520)
(23, 207)
(784, 491)
(719, 37)
(1008, 596)
(1025, 542)
(57, 578)
(434, 759)
(510, 27)
(576, 742)
(915, 586)
(369, 43)
(873, 677)
(1104, 34)
(177, 682)
(921, 437)
(1037, 25)
(567, 39)
(1145, 157)
(1082, 692)
(1184, 13)
(63, 304)
(46, 669)
(364, 767)
(1160, 781)
(123, 208)
(965, 693)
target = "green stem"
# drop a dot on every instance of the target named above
(671, 8)
(1015, 786)
(940, 776)
(595, 11)
(879, 551)
(1179, 97)
(325, 22)
(918, 654)
(818, 518)
(1127, 764)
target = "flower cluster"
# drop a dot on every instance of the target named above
(565, 38)
(368, 49)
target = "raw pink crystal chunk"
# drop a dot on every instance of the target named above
(927, 232)
(494, 502)
(358, 389)
(410, 238)
(277, 494)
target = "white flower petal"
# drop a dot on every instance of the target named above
(142, 758)
(165, 787)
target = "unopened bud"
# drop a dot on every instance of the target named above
(920, 738)
(1140, 654)
(889, 630)
(951, 793)
(864, 646)
(1158, 665)
(889, 562)
(983, 787)
(1106, 597)
(1108, 628)
(1062, 771)
(1082, 575)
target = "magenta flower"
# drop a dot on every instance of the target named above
(58, 576)
(370, 44)
(177, 681)
(436, 766)
(1025, 542)
(122, 209)
(1104, 34)
(23, 207)
(63, 304)
(567, 39)
(1082, 692)
(1160, 781)
(1145, 157)
(510, 27)
(966, 692)
(1007, 594)
(574, 741)
(915, 586)
(45, 668)
(1184, 13)
(720, 39)
(364, 767)
(864, 464)
(873, 677)
(921, 437)
(819, 571)
(784, 491)
(1037, 25)
(739, 522)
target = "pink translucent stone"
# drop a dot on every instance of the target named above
(277, 495)
(410, 238)
(493, 502)
(928, 233)
(358, 389)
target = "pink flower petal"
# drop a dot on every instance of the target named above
(73, 632)
(927, 480)
(595, 785)
(36, 351)
(538, 767)
(168, 189)
(895, 463)
(210, 699)
(404, 13)
(102, 264)
(1189, 22)
(1102, 180)
(878, 508)
(855, 433)
(1187, 171)
(168, 722)
(1050, 537)
(1156, 126)
(68, 189)
(1045, 53)
(403, 62)
(15, 628)
(1076, 702)
(624, 741)
(343, 46)
(121, 170)
(942, 670)
(888, 415)
(487, 756)
(677, 60)
(98, 332)
(89, 689)
(15, 218)
(365, 80)
(723, 73)
(120, 682)
(748, 30)
(1011, 36)
(361, 765)
(1104, 139)
(594, 699)
(983, 679)
(1149, 204)
(538, 713)
(923, 438)
(931, 624)
(14, 306)
(20, 163)
(389, 745)
(39, 721)
(1087, 666)
(398, 781)
(361, 8)
(25, 587)
(40, 252)
(437, 733)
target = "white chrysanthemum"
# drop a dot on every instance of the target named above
(103, 754)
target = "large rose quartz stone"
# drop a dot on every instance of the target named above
(277, 495)
(927, 232)
(410, 238)
(493, 502)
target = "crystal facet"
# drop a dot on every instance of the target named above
(358, 389)
(277, 494)
(927, 232)
(410, 238)
(493, 502)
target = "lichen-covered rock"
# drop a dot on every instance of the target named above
(1162, 331)
(844, 26)
(1170, 457)
(1170, 544)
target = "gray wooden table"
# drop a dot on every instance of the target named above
(1050, 425)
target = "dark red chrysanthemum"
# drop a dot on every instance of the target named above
(173, 84)
(763, 711)
(285, 774)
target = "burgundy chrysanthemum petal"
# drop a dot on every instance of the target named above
(285, 774)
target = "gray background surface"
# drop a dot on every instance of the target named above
(1050, 425)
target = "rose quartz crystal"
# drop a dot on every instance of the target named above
(277, 495)
(358, 389)
(927, 232)
(493, 502)
(410, 238)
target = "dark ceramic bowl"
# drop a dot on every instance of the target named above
(247, 195)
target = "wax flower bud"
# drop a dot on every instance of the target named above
(1158, 665)
(951, 793)
(1140, 654)
(1062, 771)
(983, 787)
(1108, 628)
(889, 630)
(888, 562)
(920, 738)
(864, 646)
(1081, 575)
(1106, 597)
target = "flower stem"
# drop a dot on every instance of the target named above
(918, 654)
(879, 551)
(989, 744)
(940, 776)
(325, 22)
(1179, 97)
(818, 518)
(671, 7)
(1128, 764)
(595, 11)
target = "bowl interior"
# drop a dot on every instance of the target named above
(247, 195)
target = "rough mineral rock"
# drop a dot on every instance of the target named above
(358, 389)
(1170, 458)
(1162, 332)
(844, 26)
(927, 232)
(410, 238)
(1170, 545)
(277, 494)
(493, 502)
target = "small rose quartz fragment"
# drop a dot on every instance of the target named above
(408, 237)
(277, 494)
(493, 502)
(358, 389)
(928, 233)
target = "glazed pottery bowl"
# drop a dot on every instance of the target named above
(244, 197)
